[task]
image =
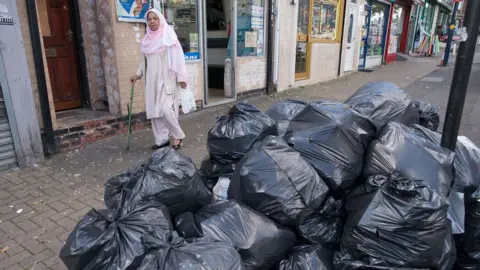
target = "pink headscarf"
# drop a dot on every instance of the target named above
(164, 38)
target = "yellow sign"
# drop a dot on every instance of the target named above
(452, 26)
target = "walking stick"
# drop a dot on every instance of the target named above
(130, 117)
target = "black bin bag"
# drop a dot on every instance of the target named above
(428, 113)
(384, 102)
(275, 180)
(111, 239)
(168, 177)
(283, 112)
(467, 174)
(211, 171)
(201, 254)
(468, 244)
(261, 242)
(343, 261)
(333, 138)
(398, 222)
(399, 149)
(466, 163)
(308, 258)
(234, 134)
(323, 227)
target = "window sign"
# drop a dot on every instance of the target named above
(250, 27)
(132, 10)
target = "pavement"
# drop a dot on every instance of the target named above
(40, 206)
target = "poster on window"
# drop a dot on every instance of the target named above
(132, 10)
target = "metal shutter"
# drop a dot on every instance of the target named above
(8, 157)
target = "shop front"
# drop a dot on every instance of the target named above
(222, 65)
(310, 47)
(374, 34)
(398, 30)
(88, 50)
(425, 30)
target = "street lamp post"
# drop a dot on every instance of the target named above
(461, 75)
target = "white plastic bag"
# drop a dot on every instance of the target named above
(220, 190)
(188, 100)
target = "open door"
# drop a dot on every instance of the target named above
(58, 38)
(219, 50)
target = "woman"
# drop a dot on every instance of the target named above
(165, 72)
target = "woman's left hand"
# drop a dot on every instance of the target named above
(183, 85)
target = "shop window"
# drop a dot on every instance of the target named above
(396, 29)
(377, 29)
(326, 20)
(250, 27)
(301, 65)
(350, 29)
(182, 14)
(303, 15)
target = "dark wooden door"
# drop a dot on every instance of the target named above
(61, 60)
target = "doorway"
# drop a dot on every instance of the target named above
(377, 33)
(398, 32)
(219, 58)
(364, 37)
(303, 47)
(351, 41)
(59, 41)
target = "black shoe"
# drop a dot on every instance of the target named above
(177, 146)
(156, 147)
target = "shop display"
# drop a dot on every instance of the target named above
(324, 19)
(376, 34)
(250, 27)
(182, 15)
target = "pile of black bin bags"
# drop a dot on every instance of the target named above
(362, 184)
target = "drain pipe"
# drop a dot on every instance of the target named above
(277, 41)
(49, 145)
(270, 86)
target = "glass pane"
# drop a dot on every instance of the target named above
(396, 29)
(303, 8)
(377, 24)
(183, 16)
(324, 17)
(364, 37)
(301, 58)
(350, 29)
(250, 27)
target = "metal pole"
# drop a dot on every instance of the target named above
(461, 75)
(271, 28)
(451, 28)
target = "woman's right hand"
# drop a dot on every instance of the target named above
(134, 78)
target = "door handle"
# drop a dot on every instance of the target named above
(70, 35)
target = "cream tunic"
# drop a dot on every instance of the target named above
(161, 90)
